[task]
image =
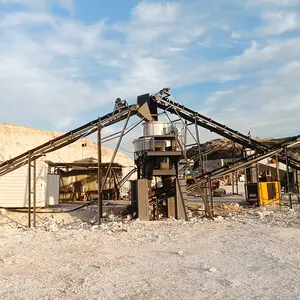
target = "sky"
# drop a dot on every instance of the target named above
(64, 62)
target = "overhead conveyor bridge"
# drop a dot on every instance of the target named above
(67, 139)
(164, 102)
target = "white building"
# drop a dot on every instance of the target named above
(14, 187)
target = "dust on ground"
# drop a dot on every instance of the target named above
(242, 254)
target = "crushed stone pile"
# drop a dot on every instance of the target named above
(242, 254)
(87, 218)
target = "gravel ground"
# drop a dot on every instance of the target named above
(246, 254)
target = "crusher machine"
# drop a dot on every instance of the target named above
(158, 191)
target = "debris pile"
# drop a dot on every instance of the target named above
(112, 222)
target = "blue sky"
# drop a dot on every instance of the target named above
(64, 62)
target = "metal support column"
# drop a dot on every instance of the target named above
(199, 147)
(278, 179)
(29, 189)
(183, 122)
(233, 179)
(198, 186)
(246, 186)
(201, 169)
(185, 138)
(179, 189)
(34, 193)
(211, 196)
(297, 181)
(246, 177)
(237, 182)
(288, 189)
(138, 172)
(115, 152)
(298, 187)
(99, 174)
(257, 176)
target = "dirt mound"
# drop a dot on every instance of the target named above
(15, 140)
(224, 148)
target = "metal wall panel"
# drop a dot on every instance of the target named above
(52, 189)
(14, 186)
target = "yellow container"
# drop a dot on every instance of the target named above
(268, 193)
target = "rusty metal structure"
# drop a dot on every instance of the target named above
(160, 156)
(78, 180)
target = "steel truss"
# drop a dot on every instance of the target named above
(163, 102)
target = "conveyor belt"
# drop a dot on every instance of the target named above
(165, 103)
(239, 164)
(126, 177)
(66, 139)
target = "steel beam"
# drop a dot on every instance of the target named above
(213, 126)
(34, 193)
(99, 173)
(29, 189)
(65, 139)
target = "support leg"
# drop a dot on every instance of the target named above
(29, 190)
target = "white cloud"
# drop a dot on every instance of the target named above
(52, 60)
(268, 107)
(57, 69)
(273, 52)
(30, 19)
(275, 2)
(280, 22)
(41, 4)
(147, 12)
(166, 23)
(235, 35)
(47, 58)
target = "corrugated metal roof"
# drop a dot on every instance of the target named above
(84, 163)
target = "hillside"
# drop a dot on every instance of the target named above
(15, 140)
(223, 148)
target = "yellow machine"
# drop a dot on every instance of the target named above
(268, 193)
